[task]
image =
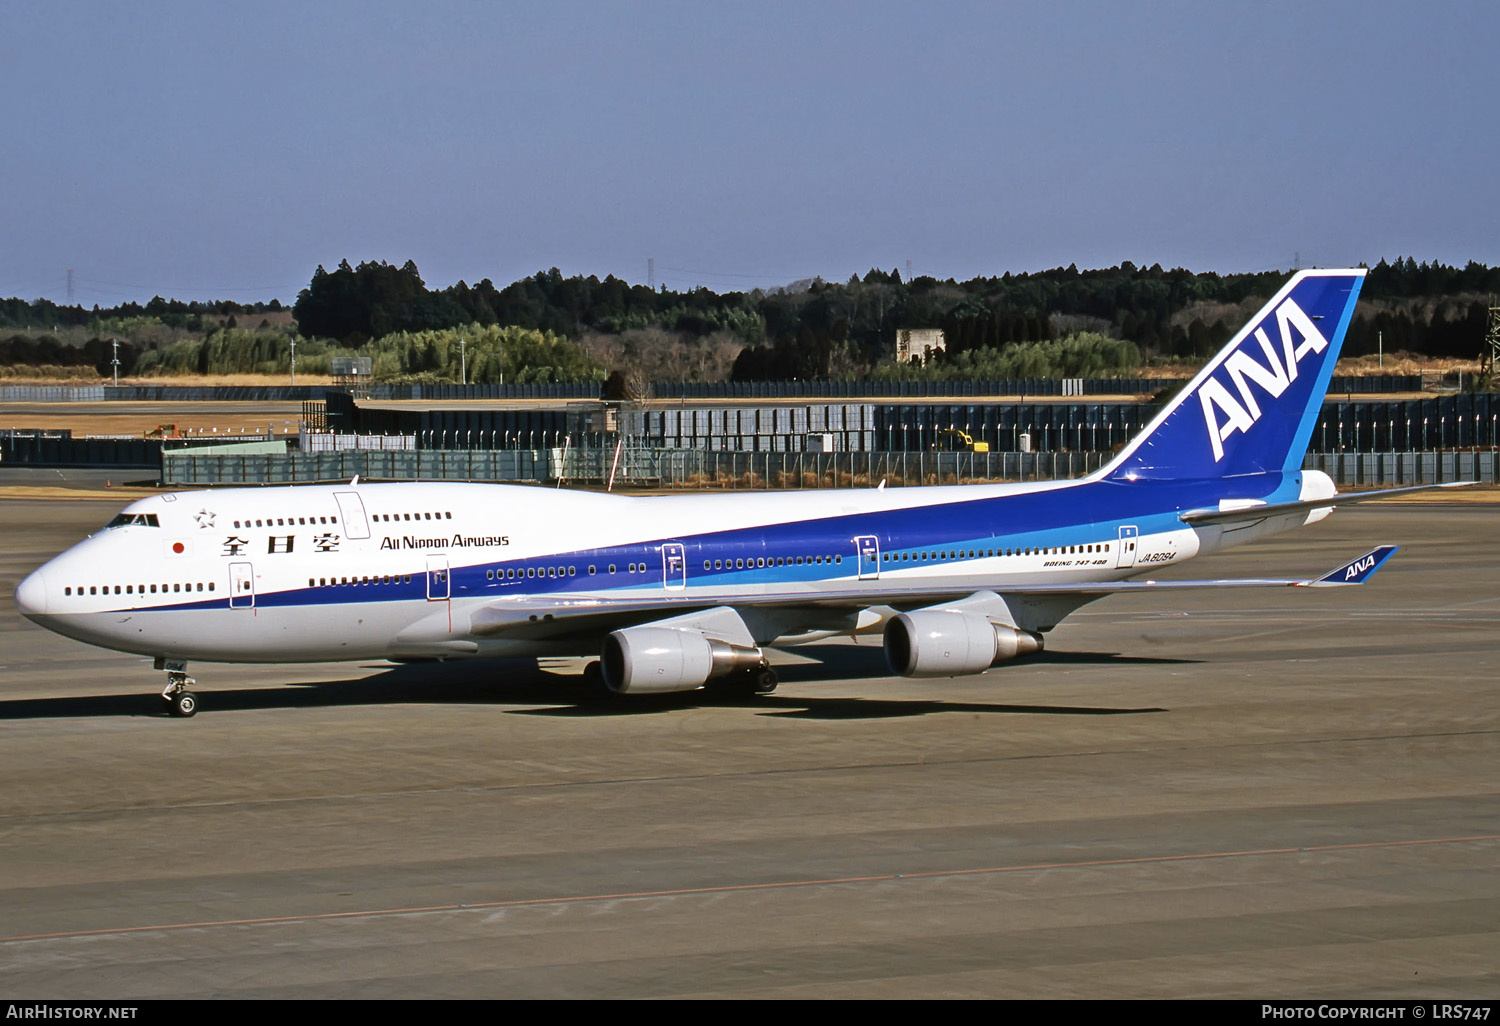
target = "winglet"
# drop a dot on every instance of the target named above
(1357, 571)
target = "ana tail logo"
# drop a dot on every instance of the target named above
(1273, 376)
(1251, 409)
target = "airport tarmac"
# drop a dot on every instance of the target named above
(1253, 794)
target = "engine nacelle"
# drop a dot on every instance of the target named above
(656, 660)
(931, 643)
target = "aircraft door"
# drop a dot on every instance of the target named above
(437, 579)
(1127, 544)
(352, 508)
(867, 548)
(673, 566)
(241, 586)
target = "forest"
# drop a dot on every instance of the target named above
(1060, 322)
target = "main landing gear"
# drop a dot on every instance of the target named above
(178, 699)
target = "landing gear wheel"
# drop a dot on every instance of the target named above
(764, 680)
(180, 701)
(758, 680)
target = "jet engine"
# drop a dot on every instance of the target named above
(932, 643)
(654, 660)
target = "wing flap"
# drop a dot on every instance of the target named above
(540, 616)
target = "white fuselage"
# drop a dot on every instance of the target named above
(399, 571)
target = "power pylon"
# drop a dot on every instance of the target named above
(1492, 339)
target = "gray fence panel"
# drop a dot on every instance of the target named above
(51, 394)
(761, 470)
(1396, 469)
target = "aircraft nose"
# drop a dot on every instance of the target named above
(31, 595)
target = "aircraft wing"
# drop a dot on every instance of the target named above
(542, 617)
(1251, 514)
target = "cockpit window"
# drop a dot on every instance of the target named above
(133, 520)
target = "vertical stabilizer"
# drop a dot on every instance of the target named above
(1251, 410)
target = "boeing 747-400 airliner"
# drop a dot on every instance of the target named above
(678, 592)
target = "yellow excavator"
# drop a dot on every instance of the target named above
(954, 440)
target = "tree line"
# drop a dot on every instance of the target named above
(823, 329)
(811, 330)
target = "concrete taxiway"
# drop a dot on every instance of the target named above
(1257, 794)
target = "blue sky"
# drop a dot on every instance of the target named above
(223, 151)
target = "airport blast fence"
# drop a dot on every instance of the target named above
(1344, 423)
(509, 465)
(737, 391)
(51, 394)
(644, 466)
(633, 466)
(742, 390)
(1373, 425)
(1393, 469)
(60, 449)
(325, 441)
(302, 393)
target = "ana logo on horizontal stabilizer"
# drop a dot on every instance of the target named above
(1223, 413)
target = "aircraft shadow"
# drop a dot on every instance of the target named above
(523, 682)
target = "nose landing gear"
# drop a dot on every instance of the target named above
(178, 699)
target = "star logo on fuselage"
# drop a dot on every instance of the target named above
(205, 519)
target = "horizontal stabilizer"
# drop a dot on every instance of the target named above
(1252, 514)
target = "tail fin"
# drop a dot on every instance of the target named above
(1251, 410)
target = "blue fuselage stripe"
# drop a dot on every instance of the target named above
(1085, 513)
